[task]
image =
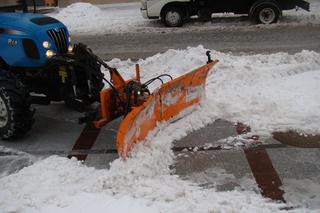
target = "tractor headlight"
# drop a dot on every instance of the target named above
(46, 44)
(70, 48)
(50, 53)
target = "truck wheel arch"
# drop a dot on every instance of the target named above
(260, 3)
(181, 5)
(178, 6)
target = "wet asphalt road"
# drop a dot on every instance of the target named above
(296, 171)
(246, 40)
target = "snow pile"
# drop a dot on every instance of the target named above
(85, 18)
(142, 184)
(14, 160)
(90, 19)
(268, 92)
(302, 191)
(302, 16)
(80, 17)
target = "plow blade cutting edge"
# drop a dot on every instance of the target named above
(168, 103)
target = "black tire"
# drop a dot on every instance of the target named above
(173, 16)
(266, 13)
(15, 114)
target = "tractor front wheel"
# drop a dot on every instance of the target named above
(15, 114)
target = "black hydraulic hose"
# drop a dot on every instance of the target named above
(128, 104)
(113, 88)
(111, 85)
(152, 80)
(165, 75)
(157, 78)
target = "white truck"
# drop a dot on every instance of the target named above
(174, 12)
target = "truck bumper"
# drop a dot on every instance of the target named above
(303, 4)
(144, 13)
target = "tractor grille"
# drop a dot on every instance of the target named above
(59, 36)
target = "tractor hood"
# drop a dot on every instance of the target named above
(29, 22)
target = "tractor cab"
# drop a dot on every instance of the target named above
(39, 36)
(39, 65)
(31, 38)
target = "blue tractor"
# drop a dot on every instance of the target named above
(39, 65)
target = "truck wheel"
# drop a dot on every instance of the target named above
(15, 115)
(173, 17)
(266, 13)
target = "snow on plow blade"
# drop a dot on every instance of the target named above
(168, 103)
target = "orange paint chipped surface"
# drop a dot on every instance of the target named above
(164, 104)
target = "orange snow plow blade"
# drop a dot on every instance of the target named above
(169, 103)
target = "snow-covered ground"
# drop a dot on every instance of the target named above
(274, 92)
(85, 18)
(268, 92)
